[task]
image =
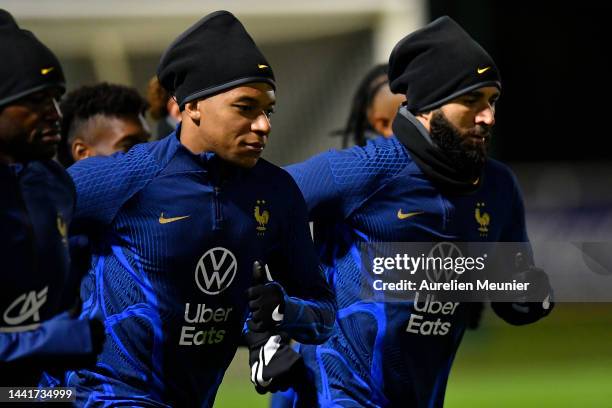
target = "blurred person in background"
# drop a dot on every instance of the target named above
(182, 227)
(97, 120)
(163, 108)
(373, 108)
(101, 119)
(37, 330)
(431, 182)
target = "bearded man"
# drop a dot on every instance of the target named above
(431, 182)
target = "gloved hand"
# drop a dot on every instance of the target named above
(539, 289)
(275, 366)
(535, 303)
(266, 301)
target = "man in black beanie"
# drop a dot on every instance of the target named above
(36, 332)
(431, 182)
(183, 228)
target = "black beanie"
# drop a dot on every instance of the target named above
(438, 63)
(27, 64)
(213, 55)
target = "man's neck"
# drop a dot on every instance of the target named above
(190, 139)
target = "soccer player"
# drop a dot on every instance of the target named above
(431, 182)
(184, 226)
(37, 200)
(101, 119)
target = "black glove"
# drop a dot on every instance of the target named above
(275, 366)
(535, 303)
(539, 289)
(266, 301)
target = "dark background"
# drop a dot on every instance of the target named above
(555, 69)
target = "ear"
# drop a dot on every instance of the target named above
(382, 125)
(192, 110)
(425, 119)
(81, 150)
(173, 109)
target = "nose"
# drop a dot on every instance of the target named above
(261, 125)
(486, 116)
(51, 109)
(56, 108)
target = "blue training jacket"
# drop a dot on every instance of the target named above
(174, 236)
(36, 207)
(390, 354)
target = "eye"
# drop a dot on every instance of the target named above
(269, 112)
(468, 100)
(244, 108)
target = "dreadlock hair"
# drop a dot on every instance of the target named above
(87, 101)
(357, 124)
(157, 97)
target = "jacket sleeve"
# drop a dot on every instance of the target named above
(337, 182)
(310, 305)
(62, 341)
(104, 184)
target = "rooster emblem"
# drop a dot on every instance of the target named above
(483, 219)
(262, 218)
(62, 228)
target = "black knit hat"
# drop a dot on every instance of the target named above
(438, 63)
(27, 64)
(212, 56)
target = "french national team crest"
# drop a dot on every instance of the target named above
(483, 219)
(262, 216)
(62, 228)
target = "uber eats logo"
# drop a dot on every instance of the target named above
(214, 272)
(431, 317)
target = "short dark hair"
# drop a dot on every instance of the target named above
(90, 100)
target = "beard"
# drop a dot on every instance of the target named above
(465, 153)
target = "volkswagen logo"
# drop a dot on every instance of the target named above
(215, 270)
(442, 251)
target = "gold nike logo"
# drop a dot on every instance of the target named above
(45, 71)
(482, 70)
(163, 220)
(261, 66)
(403, 216)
